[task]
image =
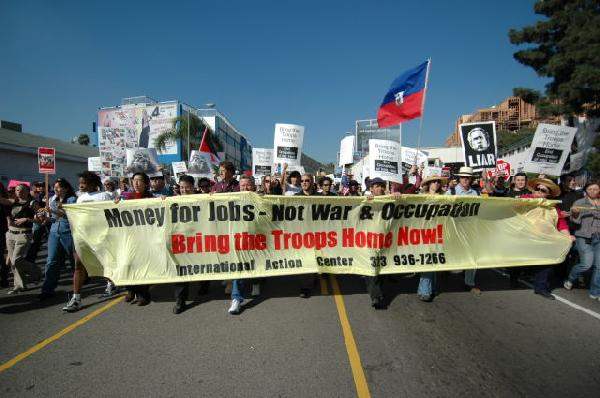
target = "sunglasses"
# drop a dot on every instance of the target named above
(306, 180)
(267, 181)
(542, 189)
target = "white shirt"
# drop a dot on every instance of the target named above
(93, 197)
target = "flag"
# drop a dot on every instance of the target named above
(206, 150)
(404, 99)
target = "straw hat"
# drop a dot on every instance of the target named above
(534, 183)
(433, 178)
(465, 172)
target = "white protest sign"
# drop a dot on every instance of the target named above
(384, 160)
(412, 156)
(347, 150)
(432, 171)
(179, 168)
(262, 162)
(549, 150)
(287, 143)
(95, 164)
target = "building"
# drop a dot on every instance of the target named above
(18, 152)
(236, 146)
(141, 119)
(512, 114)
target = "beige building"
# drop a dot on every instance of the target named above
(512, 114)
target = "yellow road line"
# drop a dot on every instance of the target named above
(362, 388)
(70, 328)
(324, 291)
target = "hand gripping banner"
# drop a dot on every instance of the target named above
(245, 235)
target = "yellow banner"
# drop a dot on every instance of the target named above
(245, 235)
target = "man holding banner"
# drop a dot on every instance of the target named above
(464, 188)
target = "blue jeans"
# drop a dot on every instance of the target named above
(589, 256)
(470, 277)
(60, 248)
(237, 286)
(426, 284)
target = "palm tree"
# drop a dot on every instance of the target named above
(180, 131)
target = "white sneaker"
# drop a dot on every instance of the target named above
(73, 305)
(109, 291)
(594, 297)
(256, 290)
(568, 284)
(235, 307)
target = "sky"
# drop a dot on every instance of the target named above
(320, 64)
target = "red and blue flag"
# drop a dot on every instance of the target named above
(404, 99)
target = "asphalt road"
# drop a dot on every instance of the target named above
(504, 343)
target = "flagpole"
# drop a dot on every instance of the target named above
(423, 107)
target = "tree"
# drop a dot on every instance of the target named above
(81, 139)
(179, 131)
(593, 160)
(567, 50)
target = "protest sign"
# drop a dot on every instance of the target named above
(46, 160)
(502, 169)
(245, 235)
(479, 144)
(200, 165)
(262, 161)
(431, 171)
(346, 150)
(411, 156)
(549, 149)
(143, 160)
(384, 160)
(179, 169)
(287, 143)
(95, 164)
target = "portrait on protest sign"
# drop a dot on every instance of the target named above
(479, 144)
(287, 143)
(199, 165)
(142, 160)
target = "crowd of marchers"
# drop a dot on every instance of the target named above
(29, 219)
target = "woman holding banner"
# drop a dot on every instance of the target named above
(307, 186)
(585, 215)
(544, 188)
(60, 241)
(426, 291)
(139, 294)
